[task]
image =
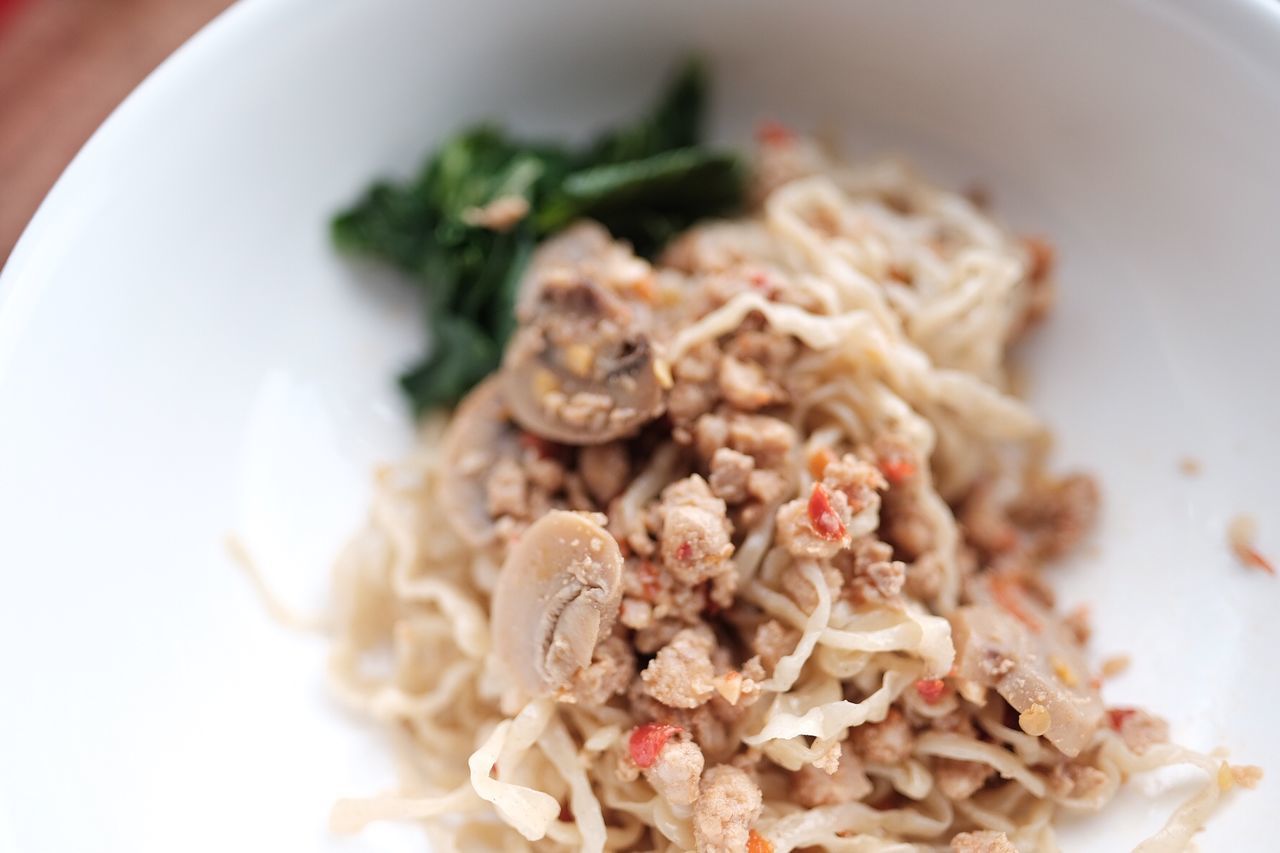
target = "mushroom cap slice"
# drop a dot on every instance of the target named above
(556, 599)
(1041, 667)
(479, 434)
(580, 370)
(580, 248)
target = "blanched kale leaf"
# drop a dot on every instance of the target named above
(646, 182)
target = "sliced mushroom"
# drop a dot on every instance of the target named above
(579, 249)
(580, 370)
(556, 599)
(1029, 665)
(479, 434)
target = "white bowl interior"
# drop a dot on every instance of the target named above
(182, 355)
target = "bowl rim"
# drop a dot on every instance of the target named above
(1250, 28)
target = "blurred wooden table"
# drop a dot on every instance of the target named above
(64, 65)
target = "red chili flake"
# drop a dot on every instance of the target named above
(1117, 716)
(818, 462)
(566, 814)
(931, 689)
(545, 449)
(684, 553)
(763, 283)
(1254, 560)
(1043, 256)
(1006, 595)
(824, 519)
(897, 469)
(757, 843)
(645, 290)
(647, 742)
(769, 132)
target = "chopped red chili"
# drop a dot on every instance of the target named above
(545, 449)
(931, 689)
(897, 469)
(648, 740)
(823, 517)
(684, 552)
(1043, 256)
(1253, 559)
(1117, 716)
(1006, 595)
(818, 462)
(757, 843)
(771, 132)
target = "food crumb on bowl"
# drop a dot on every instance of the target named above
(1242, 531)
(1190, 466)
(1115, 665)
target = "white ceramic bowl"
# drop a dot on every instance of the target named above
(182, 355)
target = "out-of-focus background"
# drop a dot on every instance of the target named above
(64, 65)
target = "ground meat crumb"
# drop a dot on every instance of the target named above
(924, 576)
(543, 473)
(710, 433)
(635, 614)
(769, 440)
(984, 522)
(605, 470)
(585, 410)
(860, 482)
(609, 674)
(730, 473)
(889, 741)
(728, 803)
(694, 540)
(959, 780)
(905, 525)
(682, 675)
(688, 401)
(1138, 729)
(773, 641)
(875, 578)
(1077, 781)
(1057, 515)
(745, 386)
(768, 487)
(675, 775)
(986, 841)
(807, 537)
(506, 490)
(813, 786)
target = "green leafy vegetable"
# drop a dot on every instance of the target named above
(649, 200)
(646, 182)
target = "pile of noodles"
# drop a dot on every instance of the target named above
(925, 361)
